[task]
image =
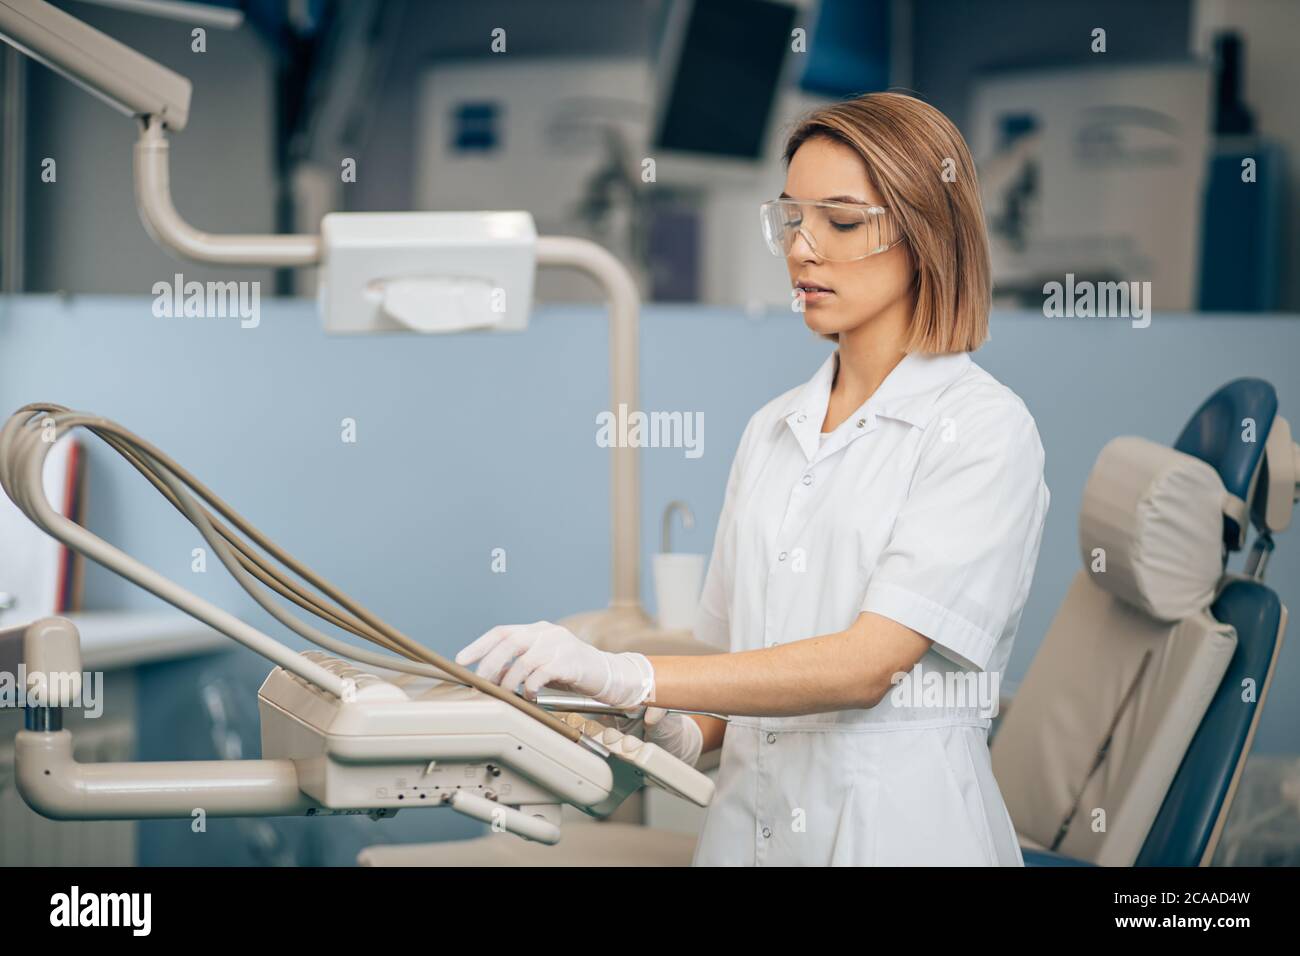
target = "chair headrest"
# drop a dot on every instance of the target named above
(1151, 528)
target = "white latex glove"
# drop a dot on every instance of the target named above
(675, 733)
(544, 654)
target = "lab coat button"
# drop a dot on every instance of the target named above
(802, 418)
(767, 833)
(862, 423)
(781, 556)
(807, 479)
(771, 738)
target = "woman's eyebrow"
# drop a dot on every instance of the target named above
(854, 200)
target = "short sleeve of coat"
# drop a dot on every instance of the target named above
(960, 556)
(712, 617)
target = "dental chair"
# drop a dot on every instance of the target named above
(1125, 742)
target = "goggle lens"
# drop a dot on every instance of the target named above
(835, 231)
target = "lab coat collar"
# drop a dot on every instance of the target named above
(907, 394)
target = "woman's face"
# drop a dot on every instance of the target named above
(848, 294)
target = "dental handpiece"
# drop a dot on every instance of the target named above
(574, 703)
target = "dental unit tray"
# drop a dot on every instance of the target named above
(344, 730)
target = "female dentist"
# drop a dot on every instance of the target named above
(877, 539)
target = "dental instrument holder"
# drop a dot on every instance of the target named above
(335, 738)
(380, 747)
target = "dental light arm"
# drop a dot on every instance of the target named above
(165, 226)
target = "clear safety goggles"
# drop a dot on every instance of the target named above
(834, 231)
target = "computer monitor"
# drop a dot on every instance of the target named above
(720, 67)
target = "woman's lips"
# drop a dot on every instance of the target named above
(813, 293)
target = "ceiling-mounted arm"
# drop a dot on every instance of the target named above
(124, 79)
(164, 224)
(140, 87)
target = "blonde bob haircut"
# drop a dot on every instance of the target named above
(922, 168)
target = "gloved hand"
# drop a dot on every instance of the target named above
(544, 654)
(676, 733)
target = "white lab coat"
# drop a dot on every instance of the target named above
(925, 506)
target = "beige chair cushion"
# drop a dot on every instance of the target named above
(1048, 739)
(1157, 516)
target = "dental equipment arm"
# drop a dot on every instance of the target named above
(124, 79)
(337, 738)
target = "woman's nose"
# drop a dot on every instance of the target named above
(801, 248)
